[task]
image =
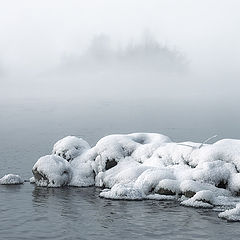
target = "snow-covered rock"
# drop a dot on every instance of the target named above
(147, 166)
(124, 192)
(231, 214)
(167, 187)
(70, 147)
(52, 171)
(11, 179)
(139, 146)
(202, 199)
(32, 180)
(82, 173)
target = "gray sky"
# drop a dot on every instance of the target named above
(38, 36)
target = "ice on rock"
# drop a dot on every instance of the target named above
(167, 187)
(216, 172)
(82, 173)
(173, 153)
(202, 199)
(147, 144)
(234, 183)
(159, 197)
(227, 150)
(124, 192)
(231, 214)
(147, 166)
(52, 171)
(70, 147)
(126, 171)
(139, 146)
(11, 179)
(190, 187)
(150, 178)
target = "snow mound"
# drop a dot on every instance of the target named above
(52, 171)
(232, 214)
(70, 147)
(124, 192)
(82, 173)
(11, 179)
(147, 166)
(202, 199)
(139, 146)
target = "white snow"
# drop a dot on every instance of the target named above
(203, 199)
(196, 186)
(147, 166)
(70, 147)
(159, 197)
(11, 179)
(82, 173)
(123, 191)
(52, 171)
(169, 185)
(231, 214)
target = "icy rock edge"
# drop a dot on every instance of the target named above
(148, 166)
(11, 179)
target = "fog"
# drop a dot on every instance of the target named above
(99, 67)
(165, 49)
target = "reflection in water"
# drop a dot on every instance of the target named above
(12, 188)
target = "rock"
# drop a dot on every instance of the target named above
(39, 176)
(11, 179)
(110, 164)
(52, 171)
(189, 194)
(163, 191)
(204, 201)
(70, 147)
(223, 184)
(237, 193)
(32, 180)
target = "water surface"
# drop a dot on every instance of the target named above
(30, 128)
(29, 212)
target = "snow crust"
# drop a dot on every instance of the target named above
(231, 214)
(148, 166)
(52, 171)
(11, 179)
(70, 147)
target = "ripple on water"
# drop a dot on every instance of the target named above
(29, 212)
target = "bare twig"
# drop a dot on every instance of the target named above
(194, 147)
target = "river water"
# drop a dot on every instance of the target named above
(28, 130)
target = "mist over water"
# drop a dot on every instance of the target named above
(141, 66)
(137, 70)
(121, 67)
(94, 68)
(184, 51)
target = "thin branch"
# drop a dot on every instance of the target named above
(186, 145)
(201, 145)
(207, 140)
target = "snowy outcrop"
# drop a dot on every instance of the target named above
(113, 148)
(11, 179)
(147, 166)
(231, 214)
(52, 171)
(70, 147)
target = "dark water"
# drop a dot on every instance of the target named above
(28, 130)
(29, 212)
